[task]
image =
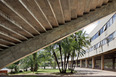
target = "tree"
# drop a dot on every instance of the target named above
(81, 42)
(69, 48)
(51, 49)
(44, 58)
(30, 61)
(35, 62)
(14, 66)
(26, 62)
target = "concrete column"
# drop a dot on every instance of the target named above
(80, 63)
(77, 63)
(102, 62)
(113, 62)
(86, 63)
(93, 63)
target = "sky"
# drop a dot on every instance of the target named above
(90, 27)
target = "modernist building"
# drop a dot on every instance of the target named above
(102, 51)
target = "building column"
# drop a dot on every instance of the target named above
(93, 63)
(102, 62)
(86, 63)
(113, 62)
(77, 63)
(80, 63)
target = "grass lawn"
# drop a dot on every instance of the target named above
(40, 71)
(48, 70)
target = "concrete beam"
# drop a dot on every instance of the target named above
(33, 45)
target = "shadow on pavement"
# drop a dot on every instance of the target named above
(78, 73)
(52, 76)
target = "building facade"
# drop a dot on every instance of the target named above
(102, 51)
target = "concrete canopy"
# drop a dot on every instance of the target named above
(25, 29)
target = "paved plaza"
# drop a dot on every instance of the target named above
(81, 72)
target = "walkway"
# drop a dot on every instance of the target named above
(86, 72)
(81, 72)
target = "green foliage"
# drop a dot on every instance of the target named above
(26, 62)
(59, 53)
(44, 58)
(12, 66)
(69, 47)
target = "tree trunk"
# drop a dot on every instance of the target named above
(56, 59)
(67, 59)
(72, 61)
(32, 67)
(16, 69)
(60, 49)
(64, 69)
(44, 67)
(78, 56)
(36, 67)
(35, 64)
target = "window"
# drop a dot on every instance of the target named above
(104, 41)
(101, 30)
(114, 17)
(111, 22)
(97, 34)
(98, 44)
(101, 43)
(91, 49)
(108, 24)
(94, 47)
(114, 35)
(87, 50)
(104, 28)
(110, 37)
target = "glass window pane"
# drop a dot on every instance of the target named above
(101, 30)
(108, 24)
(114, 17)
(104, 41)
(114, 35)
(104, 28)
(111, 22)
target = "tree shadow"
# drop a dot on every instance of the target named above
(53, 76)
(86, 72)
(78, 73)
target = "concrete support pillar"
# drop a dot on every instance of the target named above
(113, 62)
(86, 63)
(102, 62)
(77, 63)
(80, 63)
(93, 63)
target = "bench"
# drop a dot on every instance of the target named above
(3, 72)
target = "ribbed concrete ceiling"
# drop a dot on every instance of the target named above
(21, 20)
